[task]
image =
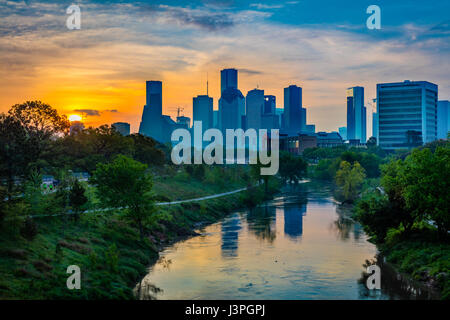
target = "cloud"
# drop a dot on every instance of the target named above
(94, 113)
(249, 71)
(106, 63)
(263, 6)
(88, 112)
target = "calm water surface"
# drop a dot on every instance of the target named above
(301, 245)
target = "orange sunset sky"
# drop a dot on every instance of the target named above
(102, 68)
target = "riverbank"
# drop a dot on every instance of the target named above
(105, 247)
(423, 262)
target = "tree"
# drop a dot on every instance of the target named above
(77, 197)
(25, 133)
(377, 216)
(371, 143)
(292, 168)
(40, 122)
(125, 183)
(145, 150)
(393, 184)
(87, 148)
(349, 179)
(255, 173)
(14, 158)
(426, 182)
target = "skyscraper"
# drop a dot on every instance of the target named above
(356, 114)
(228, 79)
(231, 103)
(294, 117)
(407, 113)
(375, 122)
(443, 119)
(122, 127)
(203, 111)
(152, 123)
(231, 109)
(254, 108)
(269, 104)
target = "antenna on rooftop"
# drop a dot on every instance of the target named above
(207, 84)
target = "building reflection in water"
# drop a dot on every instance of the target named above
(261, 222)
(293, 220)
(230, 236)
(344, 226)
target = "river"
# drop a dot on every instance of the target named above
(300, 245)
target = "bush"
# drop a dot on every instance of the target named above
(29, 229)
(112, 258)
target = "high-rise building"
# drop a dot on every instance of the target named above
(228, 79)
(375, 121)
(255, 104)
(270, 103)
(407, 113)
(183, 122)
(294, 116)
(232, 102)
(152, 123)
(443, 119)
(203, 111)
(216, 122)
(310, 128)
(343, 132)
(231, 109)
(356, 114)
(122, 127)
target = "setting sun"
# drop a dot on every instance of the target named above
(74, 117)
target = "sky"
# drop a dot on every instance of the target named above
(323, 46)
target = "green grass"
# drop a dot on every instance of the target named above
(36, 269)
(424, 261)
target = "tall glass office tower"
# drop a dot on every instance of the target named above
(407, 113)
(356, 114)
(152, 123)
(294, 114)
(228, 79)
(443, 119)
(202, 107)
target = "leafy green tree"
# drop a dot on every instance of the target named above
(393, 184)
(292, 168)
(14, 158)
(371, 143)
(146, 150)
(77, 197)
(199, 172)
(426, 182)
(349, 178)
(87, 148)
(255, 173)
(377, 216)
(33, 193)
(25, 134)
(125, 183)
(41, 122)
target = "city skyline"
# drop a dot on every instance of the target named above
(101, 69)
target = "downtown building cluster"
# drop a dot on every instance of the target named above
(405, 114)
(256, 110)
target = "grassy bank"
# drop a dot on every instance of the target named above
(423, 261)
(107, 249)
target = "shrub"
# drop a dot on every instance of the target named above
(29, 229)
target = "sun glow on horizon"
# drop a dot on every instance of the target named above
(74, 117)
